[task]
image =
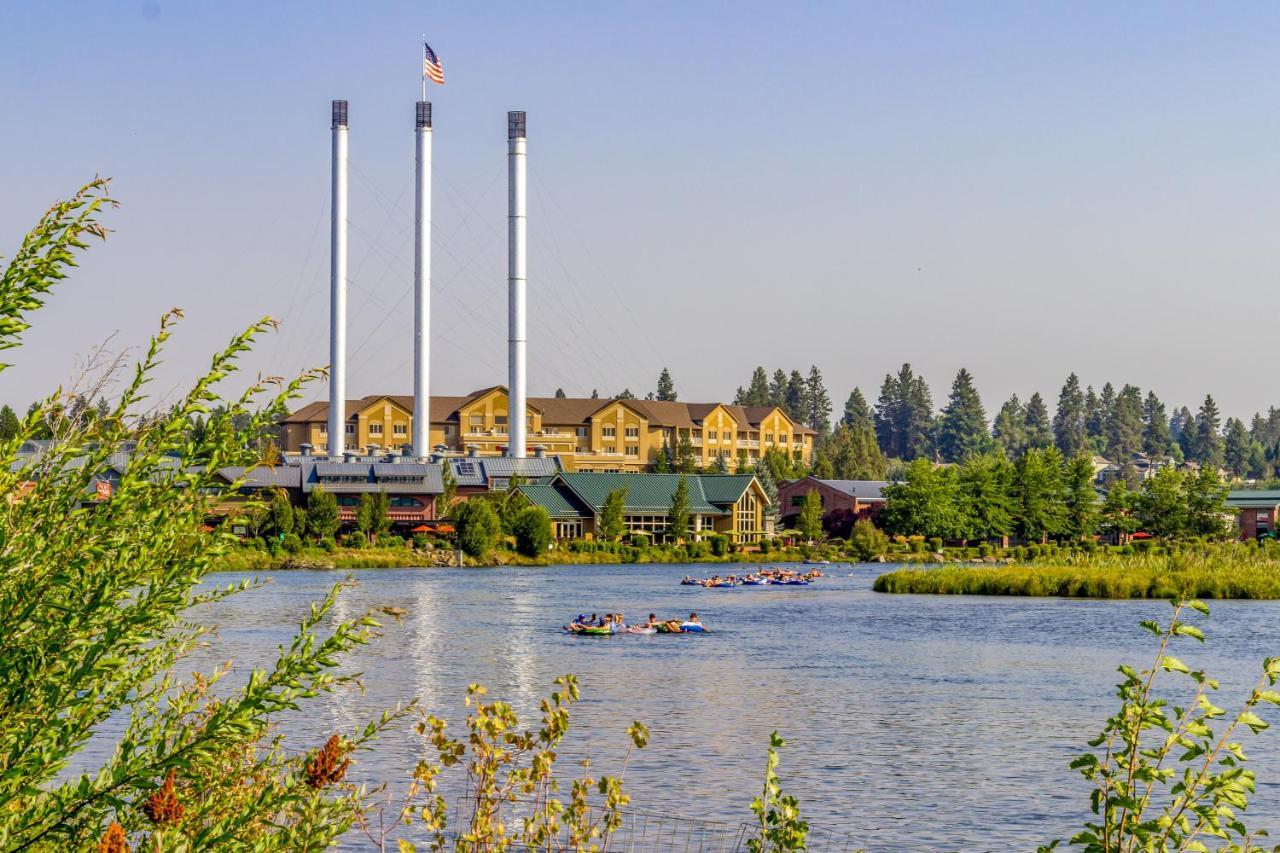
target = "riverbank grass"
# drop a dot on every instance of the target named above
(1214, 574)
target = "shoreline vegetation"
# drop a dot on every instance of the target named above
(1214, 572)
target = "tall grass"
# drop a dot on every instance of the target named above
(1222, 571)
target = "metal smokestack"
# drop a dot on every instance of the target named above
(338, 285)
(516, 283)
(422, 286)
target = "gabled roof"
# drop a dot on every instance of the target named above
(480, 470)
(558, 501)
(264, 477)
(646, 493)
(725, 488)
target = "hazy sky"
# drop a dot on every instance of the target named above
(1019, 188)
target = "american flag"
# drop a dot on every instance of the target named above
(431, 66)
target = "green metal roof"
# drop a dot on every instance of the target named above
(725, 488)
(646, 493)
(550, 498)
(1241, 498)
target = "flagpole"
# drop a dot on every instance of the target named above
(422, 60)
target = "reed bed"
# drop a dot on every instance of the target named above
(1225, 571)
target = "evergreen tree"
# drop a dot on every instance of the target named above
(560, 394)
(796, 399)
(666, 387)
(9, 425)
(818, 403)
(1039, 430)
(626, 394)
(1237, 447)
(1039, 499)
(809, 522)
(1208, 443)
(664, 462)
(686, 460)
(854, 453)
(1080, 514)
(962, 430)
(612, 524)
(757, 393)
(1157, 440)
(678, 513)
(322, 514)
(856, 410)
(764, 475)
(1106, 409)
(888, 417)
(595, 394)
(1094, 419)
(1069, 421)
(1010, 428)
(1124, 428)
(721, 465)
(778, 390)
(450, 492)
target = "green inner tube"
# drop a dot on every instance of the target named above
(597, 632)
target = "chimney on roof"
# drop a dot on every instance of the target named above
(338, 282)
(304, 449)
(540, 452)
(373, 449)
(516, 220)
(473, 450)
(422, 283)
(349, 457)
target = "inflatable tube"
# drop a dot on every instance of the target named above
(592, 631)
(667, 628)
(692, 628)
(642, 629)
(796, 583)
(756, 583)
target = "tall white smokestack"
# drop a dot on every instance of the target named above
(515, 282)
(338, 285)
(422, 287)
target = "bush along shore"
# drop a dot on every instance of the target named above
(1208, 571)
(254, 557)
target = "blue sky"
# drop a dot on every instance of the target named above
(1021, 189)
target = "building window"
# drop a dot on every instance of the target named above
(768, 438)
(569, 529)
(633, 432)
(375, 429)
(633, 450)
(500, 420)
(610, 432)
(477, 420)
(582, 432)
(351, 429)
(406, 501)
(711, 435)
(448, 429)
(400, 430)
(324, 428)
(550, 430)
(782, 438)
(747, 515)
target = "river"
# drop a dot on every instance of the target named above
(912, 722)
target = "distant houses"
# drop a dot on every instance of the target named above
(843, 502)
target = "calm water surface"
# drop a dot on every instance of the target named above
(913, 722)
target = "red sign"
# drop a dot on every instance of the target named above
(103, 488)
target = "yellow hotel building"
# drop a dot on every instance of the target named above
(587, 434)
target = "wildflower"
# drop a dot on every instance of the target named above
(113, 840)
(163, 807)
(328, 765)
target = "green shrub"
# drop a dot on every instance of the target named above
(477, 525)
(354, 539)
(532, 529)
(719, 545)
(935, 544)
(327, 544)
(292, 544)
(422, 542)
(866, 541)
(390, 540)
(766, 545)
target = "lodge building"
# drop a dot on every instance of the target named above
(586, 434)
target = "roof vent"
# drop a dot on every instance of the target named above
(304, 449)
(540, 452)
(473, 450)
